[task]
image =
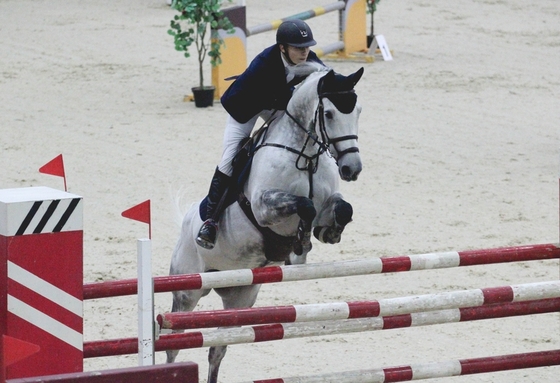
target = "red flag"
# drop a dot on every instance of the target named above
(140, 212)
(16, 350)
(55, 167)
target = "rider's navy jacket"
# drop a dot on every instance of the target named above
(262, 86)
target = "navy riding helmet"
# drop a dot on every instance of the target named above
(295, 33)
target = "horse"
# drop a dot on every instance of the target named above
(291, 191)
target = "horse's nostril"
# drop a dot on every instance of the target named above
(347, 173)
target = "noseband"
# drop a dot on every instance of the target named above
(320, 114)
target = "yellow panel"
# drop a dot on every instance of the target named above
(354, 33)
(234, 62)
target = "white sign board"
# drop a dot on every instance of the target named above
(383, 47)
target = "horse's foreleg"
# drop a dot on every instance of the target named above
(332, 220)
(275, 206)
(232, 297)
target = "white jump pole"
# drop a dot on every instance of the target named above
(145, 287)
(146, 355)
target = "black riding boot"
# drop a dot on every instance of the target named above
(218, 186)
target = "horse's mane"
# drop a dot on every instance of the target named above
(306, 68)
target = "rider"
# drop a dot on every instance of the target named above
(263, 87)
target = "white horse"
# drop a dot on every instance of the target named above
(292, 190)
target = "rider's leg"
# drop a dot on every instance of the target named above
(234, 133)
(218, 186)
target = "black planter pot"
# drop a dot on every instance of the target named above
(203, 96)
(370, 40)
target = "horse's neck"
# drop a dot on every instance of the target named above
(292, 131)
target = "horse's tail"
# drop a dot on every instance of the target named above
(180, 205)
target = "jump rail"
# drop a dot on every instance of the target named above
(280, 331)
(265, 27)
(361, 309)
(273, 274)
(186, 372)
(432, 370)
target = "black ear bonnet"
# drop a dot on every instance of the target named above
(339, 89)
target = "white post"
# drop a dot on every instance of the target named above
(146, 353)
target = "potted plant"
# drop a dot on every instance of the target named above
(197, 23)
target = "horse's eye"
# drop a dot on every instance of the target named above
(329, 114)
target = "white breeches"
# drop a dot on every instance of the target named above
(234, 133)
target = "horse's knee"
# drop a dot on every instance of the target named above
(238, 296)
(186, 300)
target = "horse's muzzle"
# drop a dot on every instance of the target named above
(350, 173)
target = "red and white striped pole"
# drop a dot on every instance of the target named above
(41, 266)
(273, 274)
(360, 309)
(432, 370)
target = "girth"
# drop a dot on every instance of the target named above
(276, 247)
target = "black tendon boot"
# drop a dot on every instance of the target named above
(207, 234)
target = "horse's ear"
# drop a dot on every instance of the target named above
(329, 77)
(357, 75)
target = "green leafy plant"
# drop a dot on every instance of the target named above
(197, 23)
(371, 8)
(372, 5)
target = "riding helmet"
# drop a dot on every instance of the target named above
(295, 33)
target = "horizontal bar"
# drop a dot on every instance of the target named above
(361, 309)
(432, 370)
(226, 336)
(273, 274)
(300, 16)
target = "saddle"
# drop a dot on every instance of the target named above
(276, 247)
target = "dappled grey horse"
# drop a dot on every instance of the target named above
(291, 191)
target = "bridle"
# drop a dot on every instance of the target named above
(311, 162)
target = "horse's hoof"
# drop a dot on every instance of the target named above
(327, 234)
(343, 213)
(204, 244)
(305, 210)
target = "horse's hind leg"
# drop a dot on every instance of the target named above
(186, 260)
(184, 301)
(332, 220)
(232, 297)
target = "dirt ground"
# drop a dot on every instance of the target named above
(458, 136)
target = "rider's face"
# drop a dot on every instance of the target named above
(296, 55)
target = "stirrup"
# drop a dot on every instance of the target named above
(207, 234)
